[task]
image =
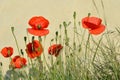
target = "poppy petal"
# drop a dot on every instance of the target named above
(37, 49)
(7, 51)
(98, 30)
(55, 49)
(36, 21)
(41, 32)
(18, 62)
(91, 22)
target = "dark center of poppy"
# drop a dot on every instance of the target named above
(39, 49)
(8, 52)
(39, 27)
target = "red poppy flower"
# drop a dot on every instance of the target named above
(55, 49)
(34, 49)
(7, 51)
(18, 62)
(93, 24)
(39, 25)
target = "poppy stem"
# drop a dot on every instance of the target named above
(85, 60)
(89, 14)
(96, 7)
(61, 56)
(12, 29)
(96, 49)
(40, 39)
(60, 40)
(44, 53)
(66, 34)
(33, 49)
(75, 30)
(1, 75)
(104, 12)
(28, 36)
(86, 46)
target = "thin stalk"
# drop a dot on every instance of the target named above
(96, 7)
(44, 53)
(28, 36)
(61, 56)
(29, 60)
(86, 51)
(82, 37)
(60, 36)
(65, 48)
(12, 29)
(86, 46)
(96, 49)
(51, 62)
(53, 75)
(75, 30)
(39, 58)
(104, 12)
(1, 75)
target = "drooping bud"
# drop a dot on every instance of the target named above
(25, 38)
(12, 29)
(22, 52)
(56, 33)
(52, 40)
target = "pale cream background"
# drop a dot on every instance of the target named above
(17, 13)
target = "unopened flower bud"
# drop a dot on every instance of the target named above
(12, 29)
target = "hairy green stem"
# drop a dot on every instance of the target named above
(12, 29)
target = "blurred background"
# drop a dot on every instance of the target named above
(18, 12)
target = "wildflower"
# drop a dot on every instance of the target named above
(7, 51)
(18, 62)
(55, 49)
(93, 24)
(34, 49)
(39, 25)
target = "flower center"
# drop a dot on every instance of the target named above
(39, 27)
(8, 52)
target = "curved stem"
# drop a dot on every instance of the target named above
(15, 40)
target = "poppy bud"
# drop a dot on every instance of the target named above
(25, 38)
(74, 15)
(12, 29)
